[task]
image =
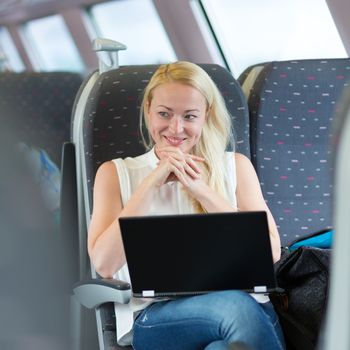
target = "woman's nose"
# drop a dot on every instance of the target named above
(176, 125)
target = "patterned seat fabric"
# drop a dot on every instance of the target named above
(111, 118)
(291, 108)
(39, 106)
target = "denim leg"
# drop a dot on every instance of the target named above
(224, 345)
(214, 321)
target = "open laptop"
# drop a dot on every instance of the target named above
(191, 254)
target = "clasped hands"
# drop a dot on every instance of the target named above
(175, 165)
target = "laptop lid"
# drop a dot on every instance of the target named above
(191, 254)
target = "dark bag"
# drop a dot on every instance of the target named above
(303, 274)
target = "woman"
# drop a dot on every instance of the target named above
(186, 170)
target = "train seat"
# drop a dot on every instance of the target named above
(105, 126)
(38, 106)
(35, 121)
(292, 105)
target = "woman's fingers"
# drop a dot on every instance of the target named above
(189, 161)
(178, 154)
(179, 166)
(184, 167)
(179, 174)
(196, 158)
(193, 165)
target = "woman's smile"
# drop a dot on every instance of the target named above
(174, 141)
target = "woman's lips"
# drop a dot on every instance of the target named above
(174, 141)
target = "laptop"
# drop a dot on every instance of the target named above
(177, 255)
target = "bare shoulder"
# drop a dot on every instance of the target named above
(241, 160)
(107, 169)
(107, 176)
(245, 171)
(240, 157)
(107, 201)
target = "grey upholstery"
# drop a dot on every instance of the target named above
(36, 108)
(39, 106)
(291, 107)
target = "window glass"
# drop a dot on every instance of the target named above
(9, 57)
(50, 45)
(136, 24)
(255, 31)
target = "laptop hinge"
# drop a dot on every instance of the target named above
(260, 289)
(148, 293)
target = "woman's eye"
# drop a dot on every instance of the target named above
(190, 116)
(163, 114)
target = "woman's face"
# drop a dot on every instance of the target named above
(176, 116)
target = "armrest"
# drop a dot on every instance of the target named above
(92, 293)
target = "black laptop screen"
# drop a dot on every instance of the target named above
(198, 253)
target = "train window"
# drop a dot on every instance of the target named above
(255, 31)
(50, 45)
(136, 24)
(9, 57)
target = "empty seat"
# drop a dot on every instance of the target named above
(39, 106)
(291, 106)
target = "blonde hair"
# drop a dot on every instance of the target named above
(216, 133)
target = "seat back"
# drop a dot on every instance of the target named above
(106, 126)
(111, 118)
(39, 106)
(248, 77)
(291, 107)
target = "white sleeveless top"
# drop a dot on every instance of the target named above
(170, 200)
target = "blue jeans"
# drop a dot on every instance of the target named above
(214, 321)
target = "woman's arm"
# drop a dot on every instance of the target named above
(105, 245)
(250, 198)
